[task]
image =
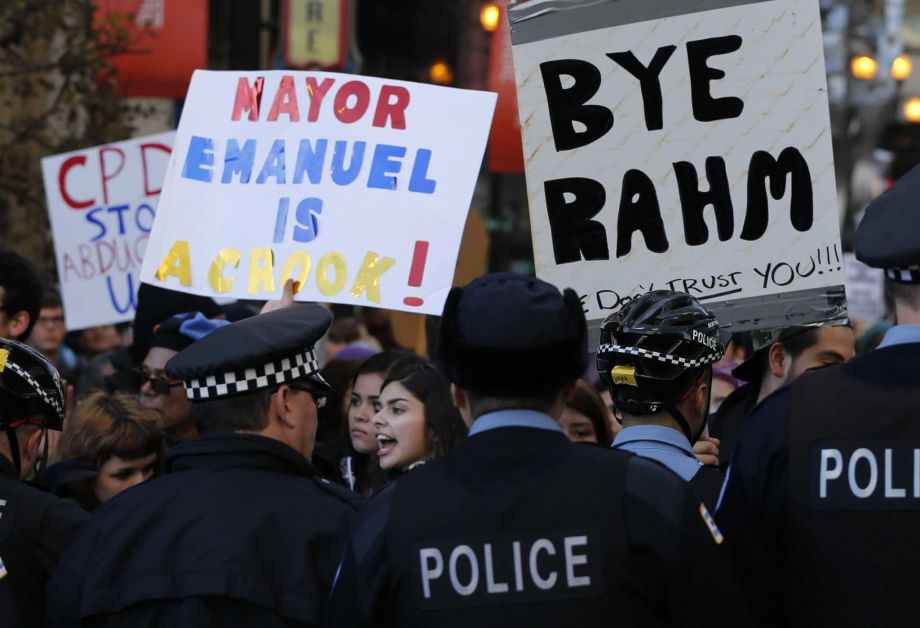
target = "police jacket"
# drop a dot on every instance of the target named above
(239, 532)
(727, 422)
(35, 528)
(672, 449)
(517, 526)
(823, 498)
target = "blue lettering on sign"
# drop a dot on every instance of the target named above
(238, 160)
(307, 228)
(199, 160)
(119, 210)
(137, 217)
(91, 217)
(274, 164)
(310, 160)
(384, 166)
(340, 174)
(420, 181)
(131, 304)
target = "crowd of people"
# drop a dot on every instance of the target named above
(294, 466)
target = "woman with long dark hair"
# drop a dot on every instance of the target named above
(416, 418)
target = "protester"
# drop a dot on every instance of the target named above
(723, 385)
(35, 526)
(109, 444)
(585, 418)
(348, 332)
(778, 357)
(20, 296)
(241, 531)
(332, 423)
(360, 467)
(163, 394)
(821, 498)
(517, 525)
(48, 336)
(95, 341)
(656, 354)
(416, 421)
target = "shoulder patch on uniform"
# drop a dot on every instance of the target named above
(711, 524)
(3, 571)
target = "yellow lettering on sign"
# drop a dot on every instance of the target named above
(368, 279)
(297, 259)
(219, 283)
(176, 264)
(261, 271)
(326, 285)
(624, 376)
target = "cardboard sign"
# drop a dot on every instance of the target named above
(355, 187)
(102, 202)
(865, 288)
(670, 147)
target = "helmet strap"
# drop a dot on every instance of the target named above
(14, 449)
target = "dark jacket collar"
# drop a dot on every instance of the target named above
(7, 468)
(895, 365)
(248, 451)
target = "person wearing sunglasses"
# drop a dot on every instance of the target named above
(162, 394)
(240, 531)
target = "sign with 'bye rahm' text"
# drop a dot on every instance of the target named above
(355, 187)
(102, 202)
(682, 146)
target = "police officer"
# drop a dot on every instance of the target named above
(823, 494)
(35, 526)
(241, 531)
(656, 355)
(518, 526)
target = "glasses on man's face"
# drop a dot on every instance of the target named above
(51, 320)
(318, 398)
(160, 384)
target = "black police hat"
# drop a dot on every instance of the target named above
(888, 236)
(508, 335)
(253, 354)
(30, 386)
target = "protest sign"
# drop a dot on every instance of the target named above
(672, 147)
(355, 187)
(101, 202)
(865, 288)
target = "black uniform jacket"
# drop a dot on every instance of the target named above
(240, 532)
(519, 527)
(35, 528)
(822, 500)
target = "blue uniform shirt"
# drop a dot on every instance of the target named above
(663, 444)
(513, 418)
(900, 335)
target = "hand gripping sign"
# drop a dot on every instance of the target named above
(684, 146)
(102, 202)
(355, 187)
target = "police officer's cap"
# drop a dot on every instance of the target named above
(254, 354)
(508, 335)
(888, 236)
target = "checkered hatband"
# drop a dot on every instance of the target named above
(41, 392)
(252, 379)
(661, 357)
(910, 274)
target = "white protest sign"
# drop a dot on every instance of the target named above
(101, 202)
(356, 187)
(668, 147)
(865, 288)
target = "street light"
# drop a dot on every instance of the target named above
(912, 110)
(901, 68)
(864, 68)
(440, 73)
(489, 16)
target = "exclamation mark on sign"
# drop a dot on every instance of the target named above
(417, 271)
